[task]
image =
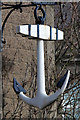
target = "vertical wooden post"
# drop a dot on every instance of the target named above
(50, 57)
(0, 64)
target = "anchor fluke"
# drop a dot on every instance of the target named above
(62, 80)
(17, 87)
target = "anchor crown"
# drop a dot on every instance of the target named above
(42, 99)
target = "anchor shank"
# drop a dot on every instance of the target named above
(40, 67)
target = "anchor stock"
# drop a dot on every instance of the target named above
(41, 32)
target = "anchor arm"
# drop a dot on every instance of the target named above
(21, 91)
(26, 99)
(61, 90)
(42, 99)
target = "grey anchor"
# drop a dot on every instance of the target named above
(41, 33)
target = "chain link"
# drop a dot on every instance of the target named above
(39, 19)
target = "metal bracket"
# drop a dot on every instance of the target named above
(45, 3)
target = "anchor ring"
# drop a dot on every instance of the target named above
(38, 18)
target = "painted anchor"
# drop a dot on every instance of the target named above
(41, 33)
(47, 33)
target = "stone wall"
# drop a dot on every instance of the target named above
(17, 56)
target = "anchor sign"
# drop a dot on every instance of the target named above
(46, 33)
(41, 32)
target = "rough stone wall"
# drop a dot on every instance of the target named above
(19, 61)
(17, 56)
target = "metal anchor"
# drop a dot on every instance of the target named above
(42, 99)
(41, 32)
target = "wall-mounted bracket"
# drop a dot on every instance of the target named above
(45, 3)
